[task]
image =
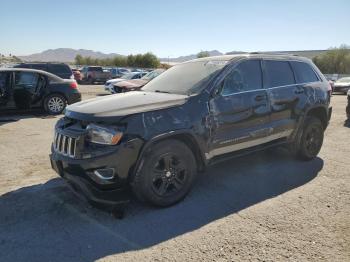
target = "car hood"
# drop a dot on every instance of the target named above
(112, 81)
(135, 83)
(124, 104)
(342, 84)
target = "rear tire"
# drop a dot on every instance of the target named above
(167, 174)
(54, 104)
(308, 143)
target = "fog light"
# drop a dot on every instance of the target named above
(104, 174)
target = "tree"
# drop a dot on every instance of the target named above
(150, 60)
(334, 61)
(79, 60)
(203, 54)
(147, 60)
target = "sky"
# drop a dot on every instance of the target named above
(170, 28)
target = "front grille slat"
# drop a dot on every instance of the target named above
(64, 144)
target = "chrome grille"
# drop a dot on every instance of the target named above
(64, 145)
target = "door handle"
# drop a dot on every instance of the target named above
(260, 97)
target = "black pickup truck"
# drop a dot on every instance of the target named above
(154, 141)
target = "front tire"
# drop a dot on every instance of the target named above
(167, 174)
(55, 104)
(308, 144)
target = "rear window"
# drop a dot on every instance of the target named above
(95, 69)
(278, 73)
(39, 67)
(59, 69)
(304, 72)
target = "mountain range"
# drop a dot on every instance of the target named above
(68, 55)
(64, 55)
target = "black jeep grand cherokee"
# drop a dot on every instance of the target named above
(155, 140)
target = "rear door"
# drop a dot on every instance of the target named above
(240, 111)
(25, 90)
(284, 96)
(5, 89)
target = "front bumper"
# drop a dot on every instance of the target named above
(343, 89)
(84, 177)
(102, 198)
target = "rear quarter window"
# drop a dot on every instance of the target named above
(303, 72)
(59, 69)
(278, 73)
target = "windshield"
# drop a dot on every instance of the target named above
(128, 76)
(152, 74)
(344, 80)
(185, 79)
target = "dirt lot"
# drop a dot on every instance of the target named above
(266, 206)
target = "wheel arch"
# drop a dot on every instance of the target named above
(53, 93)
(184, 136)
(43, 105)
(319, 112)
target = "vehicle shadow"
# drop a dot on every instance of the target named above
(10, 116)
(48, 222)
(347, 123)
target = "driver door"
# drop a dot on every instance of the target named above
(240, 110)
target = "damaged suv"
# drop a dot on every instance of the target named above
(154, 141)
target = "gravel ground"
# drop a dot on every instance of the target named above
(265, 206)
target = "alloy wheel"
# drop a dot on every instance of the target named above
(169, 175)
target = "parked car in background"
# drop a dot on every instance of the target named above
(77, 75)
(92, 74)
(59, 69)
(348, 106)
(196, 114)
(342, 85)
(109, 85)
(136, 84)
(331, 83)
(118, 72)
(29, 88)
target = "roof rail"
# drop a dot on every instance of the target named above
(271, 53)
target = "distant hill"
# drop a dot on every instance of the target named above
(64, 55)
(68, 55)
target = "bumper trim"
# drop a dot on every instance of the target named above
(109, 199)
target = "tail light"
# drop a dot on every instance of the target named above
(73, 85)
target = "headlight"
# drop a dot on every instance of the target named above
(103, 135)
(349, 92)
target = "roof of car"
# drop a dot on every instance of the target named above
(56, 78)
(252, 55)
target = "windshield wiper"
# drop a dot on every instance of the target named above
(161, 91)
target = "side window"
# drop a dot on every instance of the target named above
(278, 73)
(4, 84)
(245, 77)
(26, 80)
(303, 72)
